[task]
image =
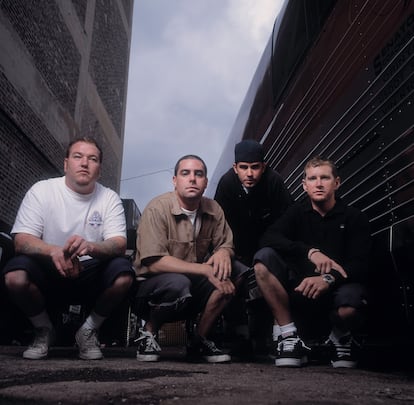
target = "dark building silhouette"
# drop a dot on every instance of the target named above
(63, 73)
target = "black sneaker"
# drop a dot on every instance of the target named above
(148, 348)
(201, 348)
(273, 350)
(344, 351)
(291, 352)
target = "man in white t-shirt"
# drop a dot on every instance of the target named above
(70, 240)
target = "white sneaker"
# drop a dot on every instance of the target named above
(88, 343)
(39, 349)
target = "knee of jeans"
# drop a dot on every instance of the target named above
(16, 280)
(124, 281)
(176, 289)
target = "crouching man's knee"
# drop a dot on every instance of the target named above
(260, 270)
(16, 280)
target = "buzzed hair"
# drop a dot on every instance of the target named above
(190, 157)
(319, 161)
(86, 139)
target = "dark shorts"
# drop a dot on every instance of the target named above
(274, 263)
(348, 294)
(95, 277)
(172, 289)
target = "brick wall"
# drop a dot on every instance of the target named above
(107, 66)
(47, 55)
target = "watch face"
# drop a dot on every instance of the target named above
(328, 278)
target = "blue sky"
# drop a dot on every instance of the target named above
(191, 63)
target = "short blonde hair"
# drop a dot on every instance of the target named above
(319, 161)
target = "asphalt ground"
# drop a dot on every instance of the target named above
(119, 378)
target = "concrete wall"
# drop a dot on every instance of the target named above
(63, 73)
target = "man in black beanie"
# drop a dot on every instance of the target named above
(252, 196)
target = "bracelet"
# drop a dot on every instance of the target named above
(311, 252)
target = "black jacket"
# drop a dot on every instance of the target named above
(343, 234)
(249, 215)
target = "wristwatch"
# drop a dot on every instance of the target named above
(328, 278)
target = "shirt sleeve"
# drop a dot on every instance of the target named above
(115, 222)
(223, 235)
(152, 234)
(29, 217)
(225, 196)
(281, 235)
(281, 195)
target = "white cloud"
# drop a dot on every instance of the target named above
(190, 66)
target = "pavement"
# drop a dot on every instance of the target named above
(119, 378)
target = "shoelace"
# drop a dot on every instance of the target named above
(211, 345)
(91, 339)
(41, 338)
(343, 349)
(150, 342)
(288, 344)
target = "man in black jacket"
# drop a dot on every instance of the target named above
(252, 196)
(325, 246)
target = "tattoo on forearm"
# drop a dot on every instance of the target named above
(111, 248)
(30, 249)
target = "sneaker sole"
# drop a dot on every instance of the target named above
(343, 364)
(148, 357)
(222, 358)
(288, 362)
(85, 356)
(33, 356)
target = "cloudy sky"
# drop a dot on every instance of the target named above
(191, 63)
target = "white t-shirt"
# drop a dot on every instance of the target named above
(195, 220)
(53, 212)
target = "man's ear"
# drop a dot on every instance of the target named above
(337, 182)
(235, 167)
(305, 187)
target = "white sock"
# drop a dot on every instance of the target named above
(93, 321)
(288, 329)
(41, 320)
(276, 332)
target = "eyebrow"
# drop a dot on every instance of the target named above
(92, 155)
(196, 171)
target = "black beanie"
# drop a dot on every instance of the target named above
(248, 151)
